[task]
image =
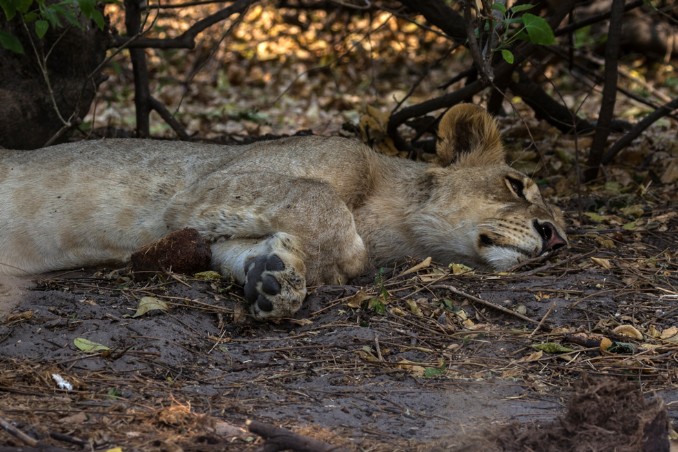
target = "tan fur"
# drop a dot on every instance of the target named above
(279, 214)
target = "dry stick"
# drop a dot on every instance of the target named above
(5, 424)
(609, 91)
(187, 39)
(281, 439)
(636, 130)
(484, 69)
(491, 305)
(543, 319)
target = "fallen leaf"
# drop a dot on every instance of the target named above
(635, 210)
(531, 357)
(366, 355)
(552, 347)
(209, 275)
(605, 263)
(605, 344)
(357, 299)
(414, 308)
(459, 269)
(628, 331)
(147, 304)
(411, 367)
(432, 372)
(604, 242)
(423, 264)
(596, 217)
(88, 346)
(669, 332)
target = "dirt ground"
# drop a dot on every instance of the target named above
(396, 360)
(579, 352)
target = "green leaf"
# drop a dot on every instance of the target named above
(41, 27)
(23, 5)
(9, 8)
(507, 55)
(596, 217)
(30, 17)
(377, 306)
(87, 6)
(521, 8)
(98, 18)
(538, 29)
(499, 7)
(10, 42)
(432, 372)
(147, 304)
(88, 346)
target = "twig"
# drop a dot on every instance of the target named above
(491, 305)
(187, 39)
(377, 347)
(282, 439)
(543, 319)
(12, 430)
(165, 114)
(636, 130)
(484, 69)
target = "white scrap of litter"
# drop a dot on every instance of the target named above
(62, 383)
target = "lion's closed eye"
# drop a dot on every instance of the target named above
(516, 186)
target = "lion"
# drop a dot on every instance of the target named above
(279, 215)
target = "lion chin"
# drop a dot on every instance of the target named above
(278, 215)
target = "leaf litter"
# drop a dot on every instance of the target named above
(417, 357)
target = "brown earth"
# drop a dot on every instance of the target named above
(394, 361)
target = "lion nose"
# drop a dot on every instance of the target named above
(550, 238)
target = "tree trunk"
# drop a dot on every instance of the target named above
(38, 108)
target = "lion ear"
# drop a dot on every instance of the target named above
(468, 136)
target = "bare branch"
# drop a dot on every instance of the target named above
(609, 91)
(636, 130)
(187, 39)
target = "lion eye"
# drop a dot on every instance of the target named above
(516, 186)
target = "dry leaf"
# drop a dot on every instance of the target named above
(88, 346)
(536, 356)
(605, 263)
(604, 242)
(628, 331)
(605, 344)
(669, 332)
(423, 264)
(357, 299)
(147, 304)
(411, 367)
(414, 308)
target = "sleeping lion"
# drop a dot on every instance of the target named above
(279, 215)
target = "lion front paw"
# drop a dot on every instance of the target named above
(274, 288)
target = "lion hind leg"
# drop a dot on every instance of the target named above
(271, 271)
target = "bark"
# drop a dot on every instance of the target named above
(32, 114)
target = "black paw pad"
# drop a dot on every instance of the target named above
(264, 304)
(270, 285)
(274, 263)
